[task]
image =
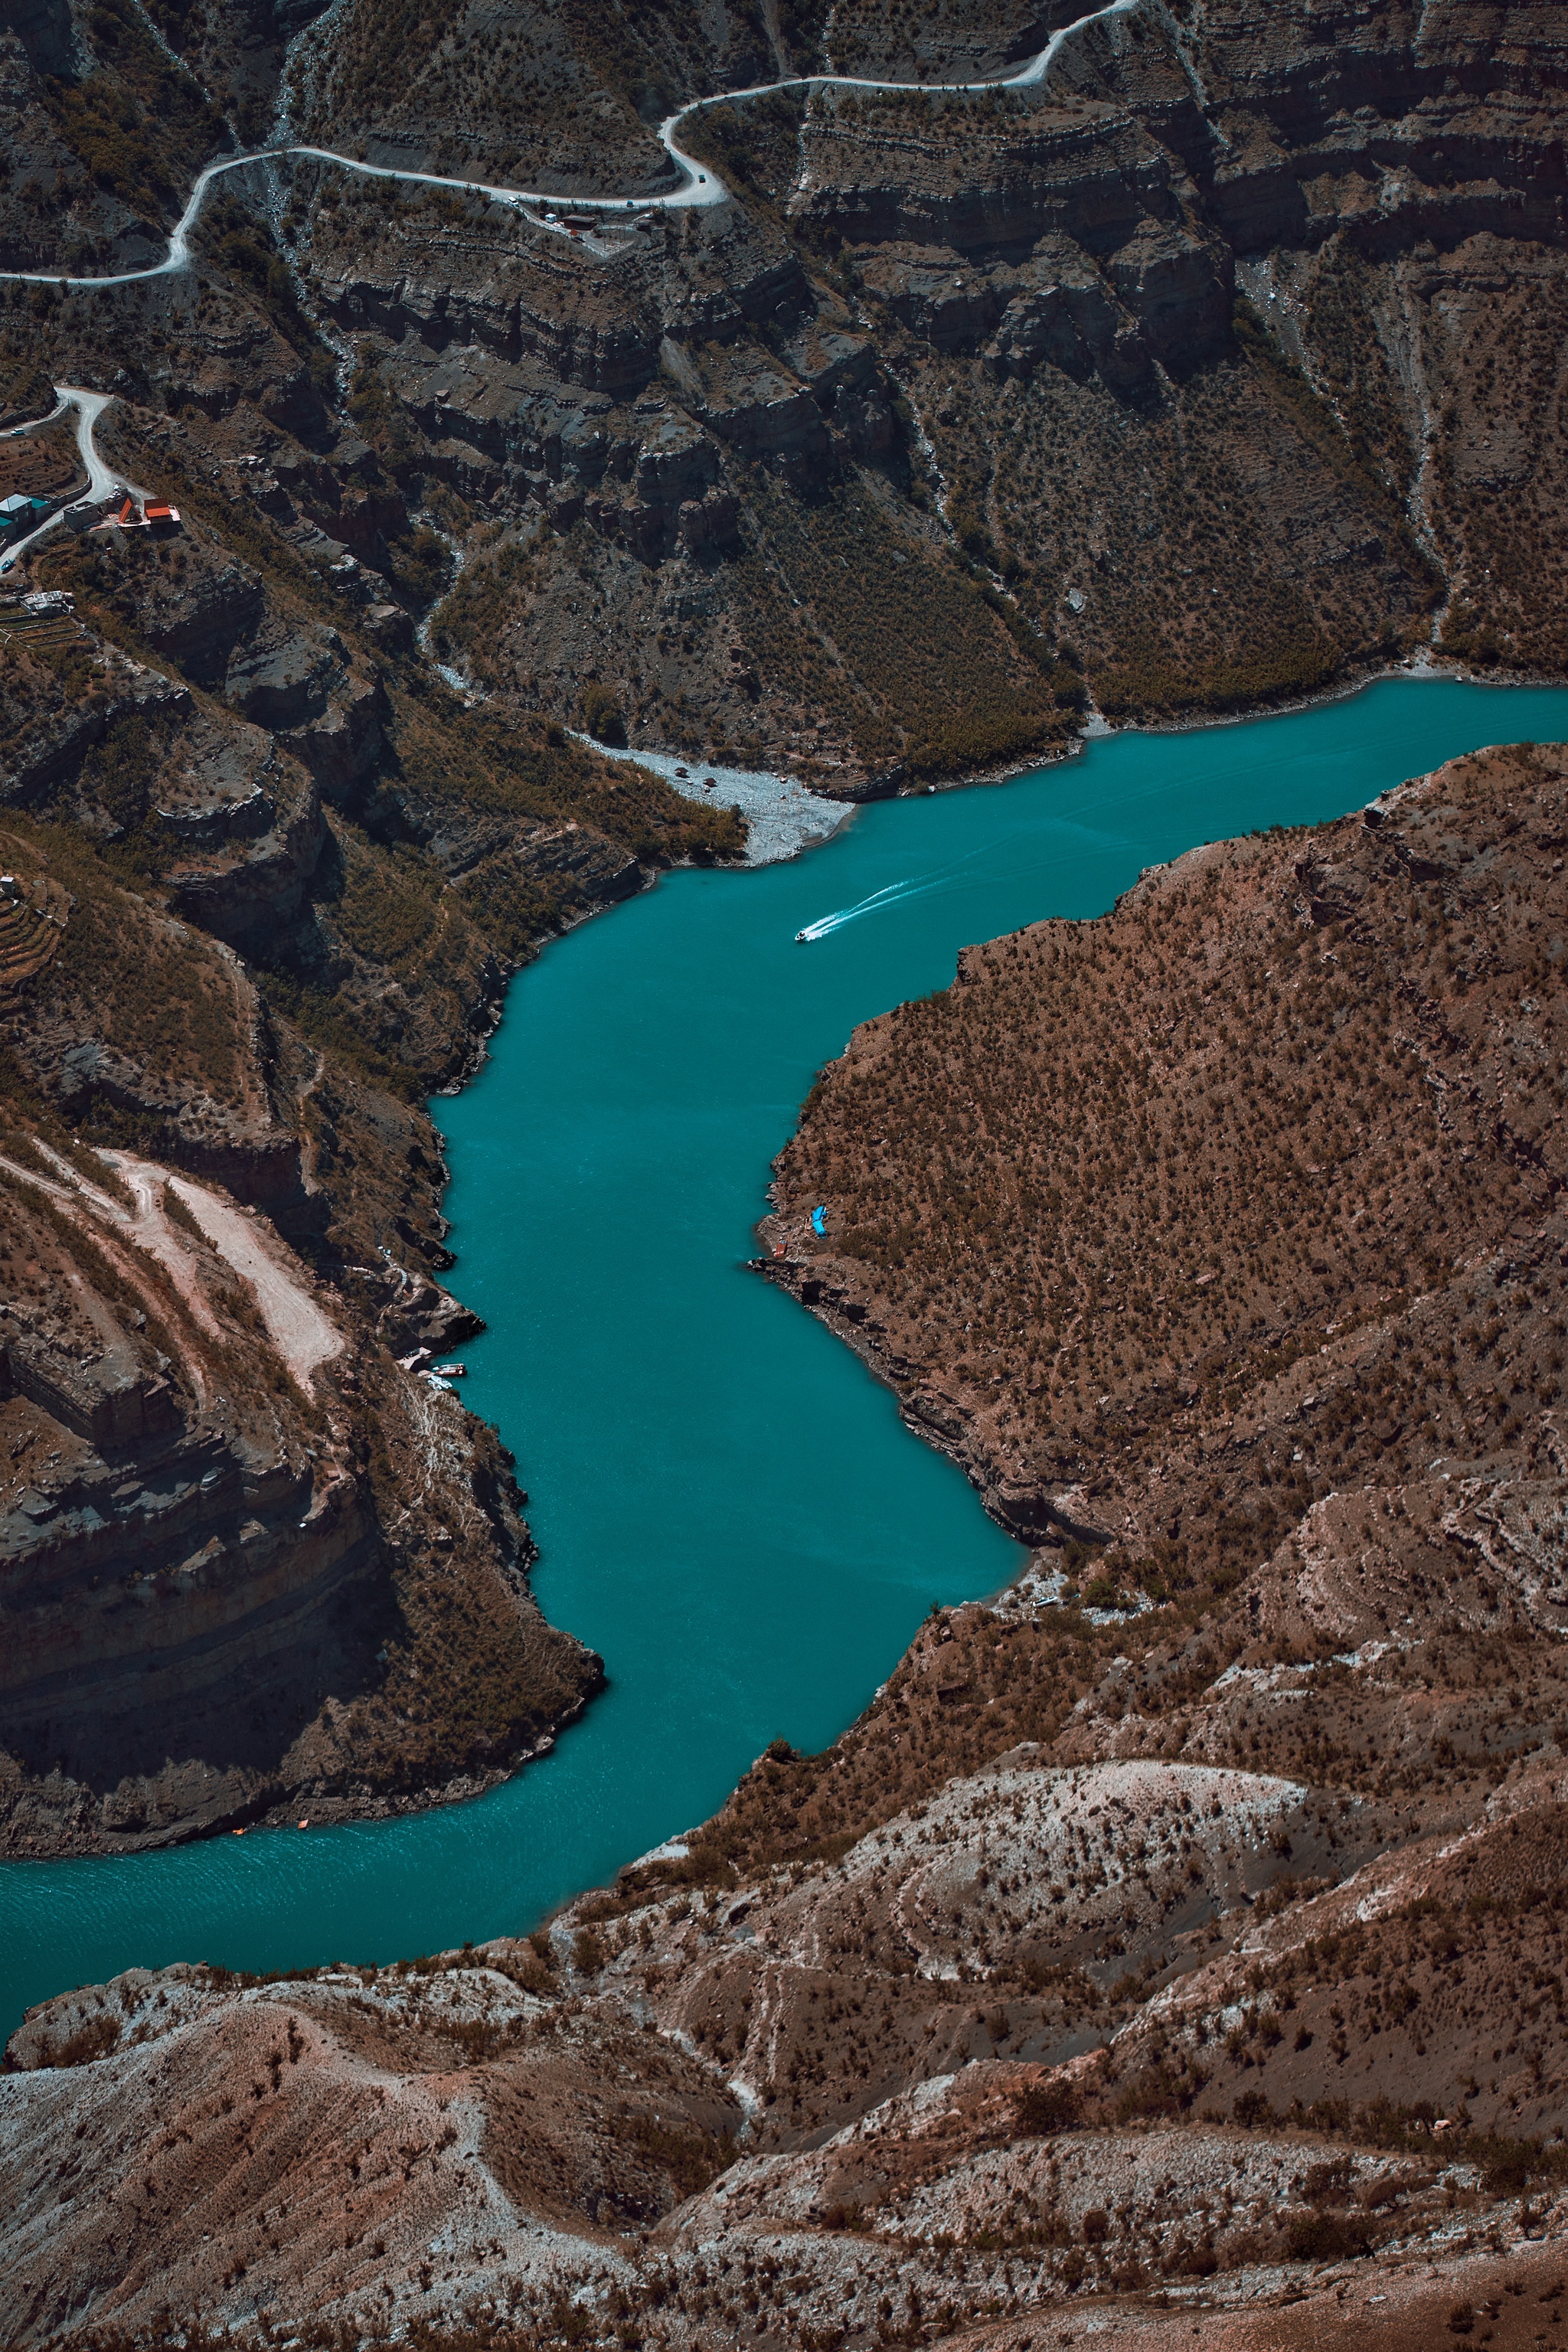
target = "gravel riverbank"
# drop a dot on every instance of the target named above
(782, 817)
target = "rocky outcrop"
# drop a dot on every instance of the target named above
(150, 1598)
(493, 299)
(173, 1554)
(197, 1588)
(286, 678)
(226, 1126)
(417, 1314)
(1157, 293)
(199, 619)
(301, 685)
(599, 871)
(49, 732)
(937, 174)
(262, 881)
(651, 478)
(1305, 122)
(112, 1403)
(762, 413)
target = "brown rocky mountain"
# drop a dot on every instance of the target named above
(1213, 367)
(1176, 1223)
(1174, 1949)
(1181, 1934)
(248, 1558)
(220, 1516)
(260, 900)
(269, 877)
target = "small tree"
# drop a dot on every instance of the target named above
(602, 713)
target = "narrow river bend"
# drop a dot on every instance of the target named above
(726, 1502)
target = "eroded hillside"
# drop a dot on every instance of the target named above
(247, 1556)
(1174, 1951)
(1181, 1221)
(1159, 2049)
(1224, 362)
(266, 882)
(1179, 1940)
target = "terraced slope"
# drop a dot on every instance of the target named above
(30, 936)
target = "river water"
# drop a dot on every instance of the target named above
(727, 1506)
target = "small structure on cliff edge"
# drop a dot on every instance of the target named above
(151, 513)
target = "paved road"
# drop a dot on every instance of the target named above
(715, 192)
(698, 185)
(102, 481)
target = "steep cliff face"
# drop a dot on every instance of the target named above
(1225, 362)
(1220, 363)
(175, 1551)
(1176, 358)
(206, 1618)
(267, 886)
(205, 1450)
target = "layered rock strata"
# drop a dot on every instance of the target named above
(1176, 1943)
(230, 1522)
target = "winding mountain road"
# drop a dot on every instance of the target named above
(698, 188)
(698, 185)
(103, 482)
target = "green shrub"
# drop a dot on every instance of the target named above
(587, 1952)
(417, 564)
(1295, 664)
(1325, 2238)
(137, 123)
(1046, 2107)
(602, 714)
(91, 2039)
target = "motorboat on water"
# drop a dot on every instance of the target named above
(801, 937)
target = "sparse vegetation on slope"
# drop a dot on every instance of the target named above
(1138, 1182)
(1190, 1923)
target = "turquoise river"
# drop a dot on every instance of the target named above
(726, 1503)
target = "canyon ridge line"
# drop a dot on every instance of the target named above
(698, 188)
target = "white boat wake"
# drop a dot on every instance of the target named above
(900, 894)
(1064, 843)
(892, 893)
(698, 185)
